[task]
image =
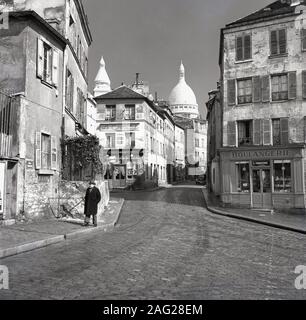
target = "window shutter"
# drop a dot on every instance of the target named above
(71, 94)
(239, 48)
(303, 36)
(257, 137)
(247, 47)
(282, 41)
(304, 83)
(231, 92)
(55, 66)
(292, 85)
(256, 89)
(266, 124)
(231, 134)
(38, 150)
(265, 88)
(284, 127)
(40, 58)
(53, 153)
(274, 47)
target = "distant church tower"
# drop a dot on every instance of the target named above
(102, 81)
(182, 99)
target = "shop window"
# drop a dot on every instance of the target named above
(245, 132)
(243, 176)
(245, 91)
(282, 176)
(280, 87)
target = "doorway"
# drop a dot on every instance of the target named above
(262, 188)
(119, 176)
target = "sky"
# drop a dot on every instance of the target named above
(152, 37)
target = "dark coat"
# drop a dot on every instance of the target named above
(92, 198)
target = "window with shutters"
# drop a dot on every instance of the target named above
(110, 140)
(276, 132)
(278, 42)
(245, 91)
(245, 132)
(304, 84)
(45, 151)
(69, 91)
(244, 47)
(47, 71)
(279, 87)
(110, 113)
(129, 113)
(303, 36)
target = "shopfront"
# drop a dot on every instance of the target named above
(265, 178)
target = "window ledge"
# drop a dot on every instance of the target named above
(46, 172)
(47, 84)
(243, 61)
(278, 55)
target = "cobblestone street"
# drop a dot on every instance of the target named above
(165, 246)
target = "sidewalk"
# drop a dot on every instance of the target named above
(290, 222)
(20, 238)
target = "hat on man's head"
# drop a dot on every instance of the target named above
(92, 182)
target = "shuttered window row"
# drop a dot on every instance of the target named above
(264, 89)
(258, 132)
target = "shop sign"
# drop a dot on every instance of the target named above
(2, 186)
(262, 154)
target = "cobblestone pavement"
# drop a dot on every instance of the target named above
(165, 246)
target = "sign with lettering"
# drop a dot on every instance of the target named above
(2, 186)
(264, 154)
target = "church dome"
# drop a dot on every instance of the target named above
(182, 99)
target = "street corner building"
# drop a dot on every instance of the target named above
(263, 91)
(143, 139)
(43, 85)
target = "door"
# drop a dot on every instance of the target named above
(262, 188)
(119, 176)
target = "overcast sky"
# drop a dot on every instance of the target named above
(152, 36)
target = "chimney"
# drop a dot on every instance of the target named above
(156, 96)
(137, 79)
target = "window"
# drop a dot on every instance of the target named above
(120, 139)
(280, 87)
(197, 143)
(129, 112)
(110, 113)
(45, 151)
(47, 73)
(245, 132)
(276, 132)
(303, 39)
(243, 48)
(130, 139)
(243, 177)
(110, 141)
(278, 39)
(244, 91)
(69, 90)
(203, 143)
(282, 176)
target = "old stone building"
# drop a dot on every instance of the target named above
(43, 77)
(263, 90)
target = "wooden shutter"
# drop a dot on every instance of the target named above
(231, 134)
(38, 150)
(284, 128)
(303, 37)
(53, 153)
(266, 126)
(273, 42)
(304, 83)
(256, 89)
(71, 97)
(55, 66)
(231, 92)
(247, 47)
(292, 85)
(257, 137)
(239, 48)
(265, 88)
(282, 34)
(40, 58)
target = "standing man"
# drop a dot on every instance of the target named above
(92, 198)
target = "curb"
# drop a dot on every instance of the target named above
(114, 191)
(61, 238)
(240, 217)
(30, 246)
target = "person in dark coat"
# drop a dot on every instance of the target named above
(92, 198)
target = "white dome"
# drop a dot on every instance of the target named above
(182, 98)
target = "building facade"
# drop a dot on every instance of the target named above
(263, 90)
